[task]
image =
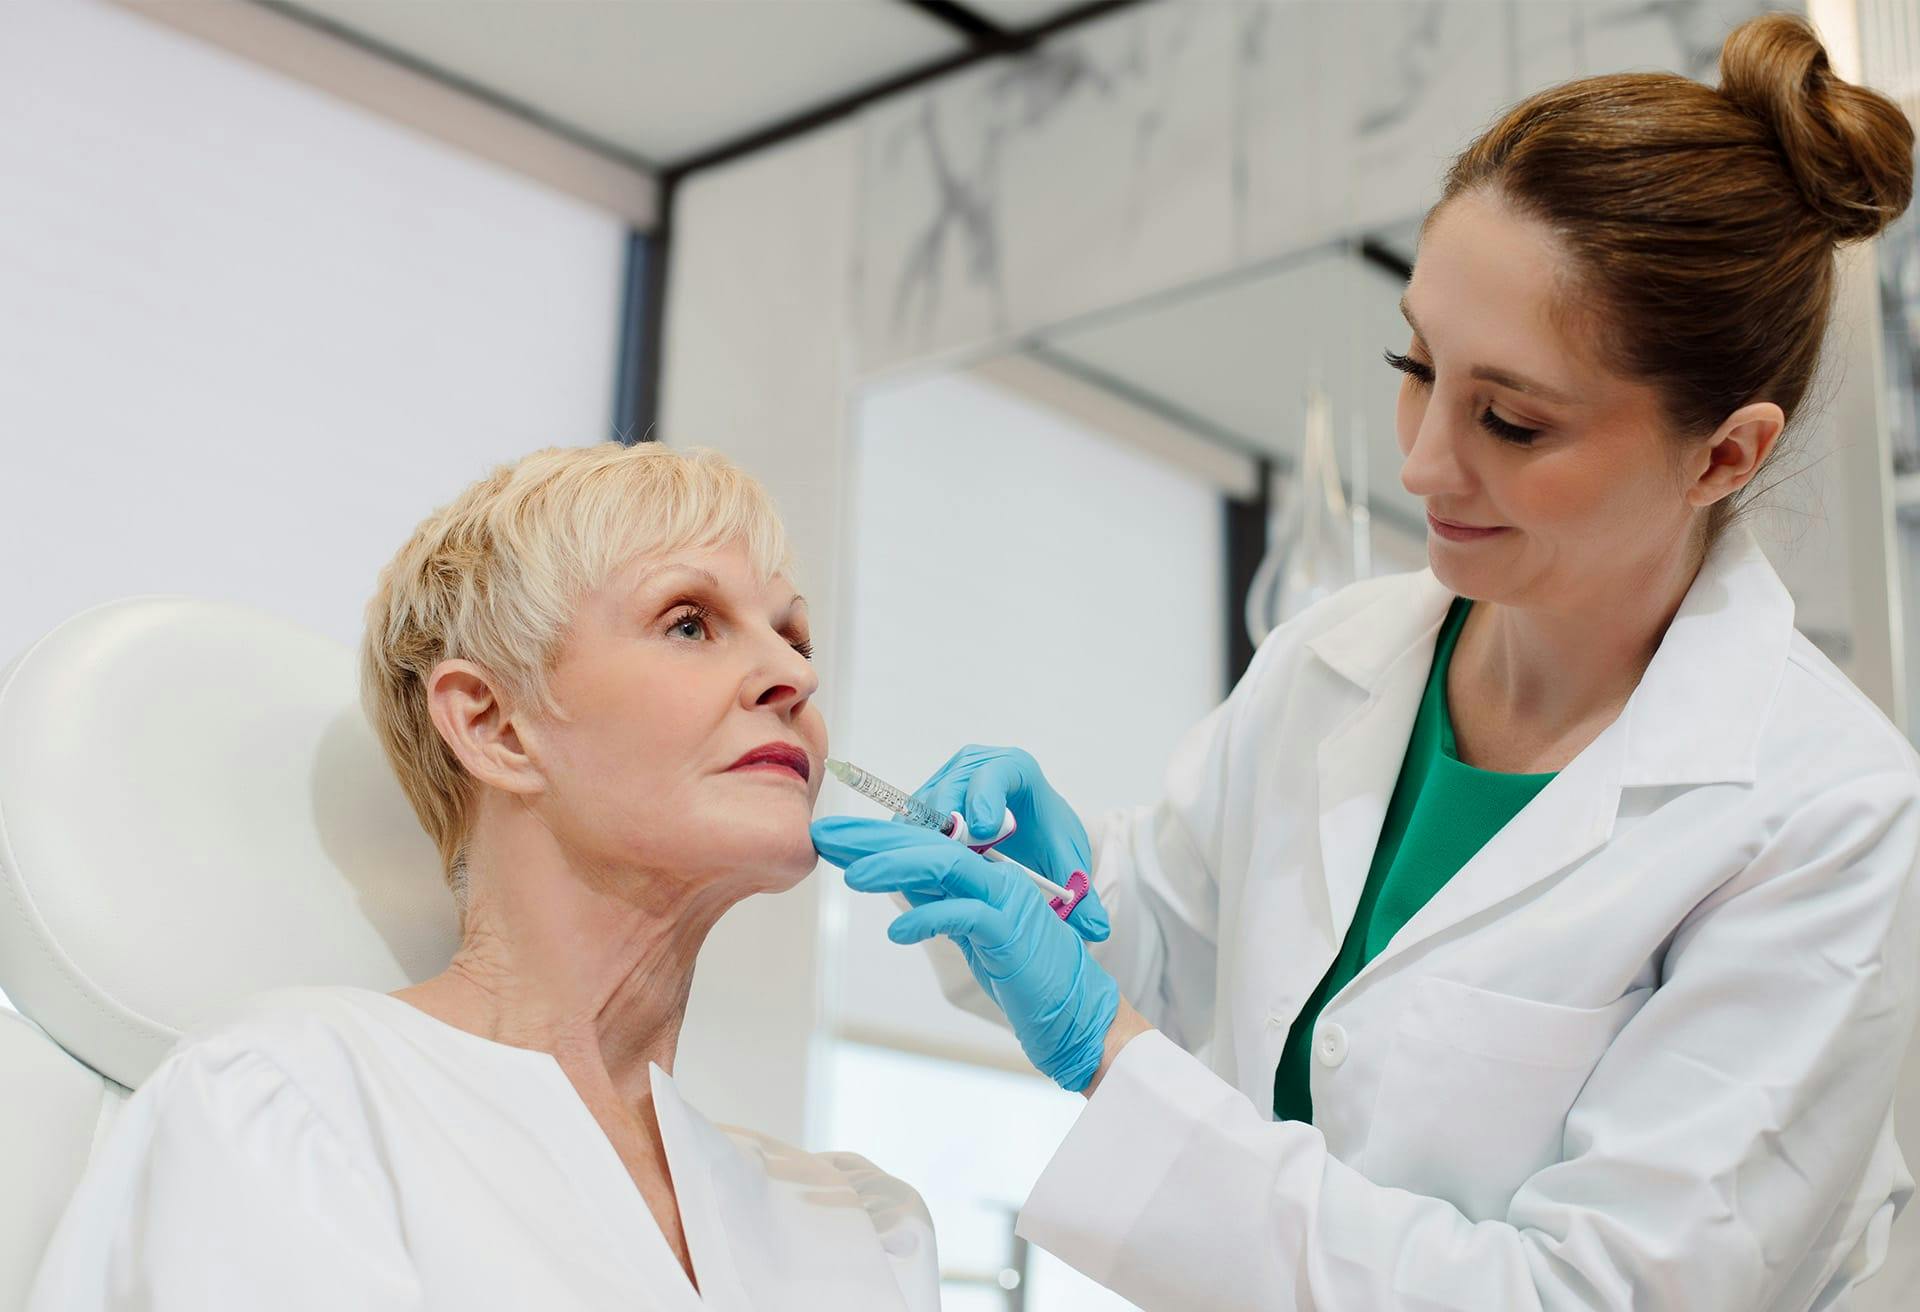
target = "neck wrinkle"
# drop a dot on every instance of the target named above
(591, 967)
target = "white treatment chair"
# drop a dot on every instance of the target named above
(192, 809)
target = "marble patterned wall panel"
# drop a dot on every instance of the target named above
(1023, 192)
(1547, 45)
(928, 268)
(1182, 140)
(1422, 78)
(1346, 115)
(1143, 208)
(1676, 36)
(1289, 118)
(1349, 113)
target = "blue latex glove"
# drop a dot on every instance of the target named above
(983, 782)
(1059, 1000)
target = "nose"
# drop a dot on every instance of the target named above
(784, 681)
(1433, 467)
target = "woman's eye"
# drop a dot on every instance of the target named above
(689, 624)
(1505, 431)
(805, 648)
(1418, 371)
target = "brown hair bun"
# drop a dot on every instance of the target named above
(1849, 150)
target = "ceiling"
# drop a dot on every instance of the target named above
(664, 82)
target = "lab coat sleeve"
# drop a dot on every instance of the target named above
(1715, 1148)
(222, 1187)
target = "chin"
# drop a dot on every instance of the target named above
(791, 874)
(1448, 572)
(773, 860)
(1460, 578)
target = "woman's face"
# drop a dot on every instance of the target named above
(686, 741)
(1549, 481)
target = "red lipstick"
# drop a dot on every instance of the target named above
(778, 756)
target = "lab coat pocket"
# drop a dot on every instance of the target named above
(1475, 1090)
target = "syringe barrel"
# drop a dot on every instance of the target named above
(896, 800)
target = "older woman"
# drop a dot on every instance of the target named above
(592, 676)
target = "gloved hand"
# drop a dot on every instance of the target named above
(983, 782)
(1059, 1000)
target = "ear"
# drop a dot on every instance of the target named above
(476, 721)
(1735, 452)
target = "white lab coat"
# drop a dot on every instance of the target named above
(336, 1149)
(1639, 1053)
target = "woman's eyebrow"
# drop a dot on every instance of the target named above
(653, 576)
(1500, 377)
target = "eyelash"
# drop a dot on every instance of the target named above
(695, 613)
(1493, 423)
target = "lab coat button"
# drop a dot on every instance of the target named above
(1330, 1045)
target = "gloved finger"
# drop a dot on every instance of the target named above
(958, 760)
(903, 858)
(946, 870)
(1064, 849)
(946, 788)
(945, 793)
(1051, 838)
(964, 920)
(991, 785)
(844, 839)
(1089, 918)
(885, 873)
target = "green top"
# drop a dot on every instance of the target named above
(1443, 811)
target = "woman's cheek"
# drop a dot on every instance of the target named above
(1559, 500)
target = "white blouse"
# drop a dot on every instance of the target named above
(338, 1148)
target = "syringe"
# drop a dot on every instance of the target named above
(954, 826)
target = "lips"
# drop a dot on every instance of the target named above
(783, 756)
(1446, 528)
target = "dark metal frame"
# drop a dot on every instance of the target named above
(984, 41)
(643, 312)
(1245, 523)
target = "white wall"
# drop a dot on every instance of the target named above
(250, 335)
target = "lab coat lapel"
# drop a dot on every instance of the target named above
(1387, 650)
(1693, 720)
(769, 1227)
(1570, 818)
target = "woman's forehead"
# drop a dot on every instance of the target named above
(1490, 288)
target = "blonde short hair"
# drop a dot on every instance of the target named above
(496, 577)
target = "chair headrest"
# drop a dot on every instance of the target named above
(193, 808)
